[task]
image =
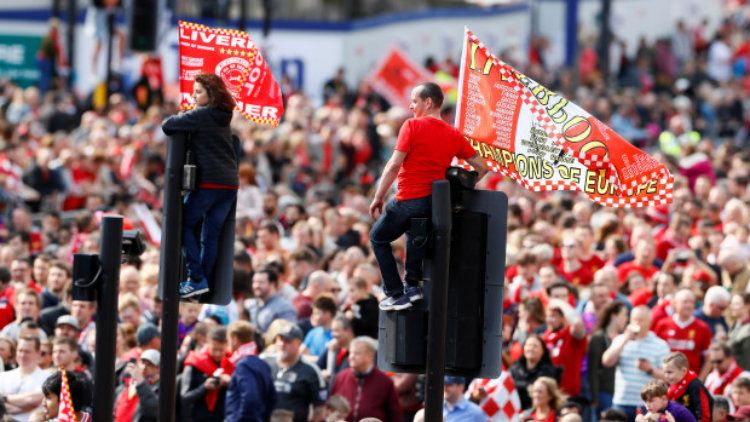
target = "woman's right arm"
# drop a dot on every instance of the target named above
(183, 122)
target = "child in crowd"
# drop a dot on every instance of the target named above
(660, 408)
(686, 388)
(721, 409)
(337, 408)
(741, 392)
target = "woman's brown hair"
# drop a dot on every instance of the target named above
(218, 95)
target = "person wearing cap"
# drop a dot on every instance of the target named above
(370, 392)
(147, 337)
(456, 407)
(298, 384)
(67, 326)
(138, 395)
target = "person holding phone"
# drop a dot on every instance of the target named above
(138, 395)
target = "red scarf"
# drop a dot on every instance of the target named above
(229, 362)
(677, 390)
(203, 362)
(126, 406)
(732, 373)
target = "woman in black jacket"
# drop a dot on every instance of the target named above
(612, 322)
(215, 155)
(534, 363)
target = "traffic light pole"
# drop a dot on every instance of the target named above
(438, 301)
(110, 254)
(169, 273)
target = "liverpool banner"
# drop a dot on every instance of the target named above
(233, 56)
(545, 142)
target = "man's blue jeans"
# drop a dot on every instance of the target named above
(213, 205)
(394, 222)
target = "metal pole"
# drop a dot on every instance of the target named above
(169, 273)
(604, 38)
(435, 368)
(243, 15)
(571, 33)
(111, 32)
(110, 253)
(56, 9)
(71, 35)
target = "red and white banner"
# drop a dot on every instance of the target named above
(500, 399)
(545, 142)
(65, 410)
(396, 76)
(232, 55)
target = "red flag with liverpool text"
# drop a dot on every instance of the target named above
(545, 142)
(233, 56)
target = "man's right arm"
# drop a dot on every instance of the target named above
(612, 355)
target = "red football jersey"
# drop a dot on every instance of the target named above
(567, 352)
(628, 267)
(580, 277)
(692, 340)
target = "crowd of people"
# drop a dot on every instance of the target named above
(608, 314)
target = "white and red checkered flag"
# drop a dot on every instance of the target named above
(545, 142)
(501, 402)
(233, 56)
(65, 411)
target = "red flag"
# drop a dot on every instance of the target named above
(233, 56)
(65, 411)
(545, 142)
(396, 76)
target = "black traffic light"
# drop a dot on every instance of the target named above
(473, 338)
(144, 15)
(88, 271)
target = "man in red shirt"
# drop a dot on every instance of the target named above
(684, 332)
(425, 148)
(643, 262)
(571, 267)
(567, 344)
(676, 236)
